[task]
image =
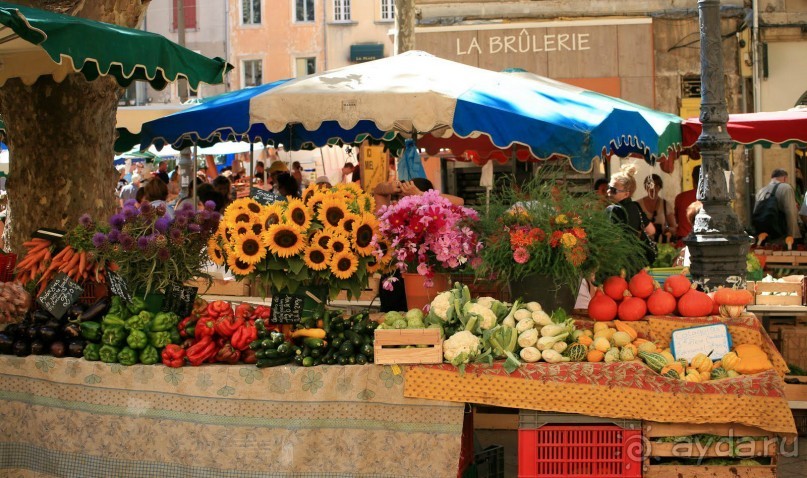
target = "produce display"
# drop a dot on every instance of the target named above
(43, 260)
(14, 302)
(42, 334)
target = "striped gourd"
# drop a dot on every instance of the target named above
(654, 361)
(671, 373)
(576, 352)
(718, 373)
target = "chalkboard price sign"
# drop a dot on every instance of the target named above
(118, 286)
(179, 299)
(59, 295)
(287, 309)
(265, 197)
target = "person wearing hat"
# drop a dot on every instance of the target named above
(275, 169)
(323, 182)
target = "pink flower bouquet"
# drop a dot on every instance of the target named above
(429, 233)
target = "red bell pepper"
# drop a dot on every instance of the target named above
(228, 354)
(173, 356)
(227, 324)
(199, 307)
(205, 327)
(262, 312)
(244, 311)
(202, 350)
(245, 335)
(187, 326)
(218, 307)
(249, 356)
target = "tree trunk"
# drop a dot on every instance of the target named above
(61, 136)
(405, 21)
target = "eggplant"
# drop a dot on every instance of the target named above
(75, 311)
(31, 332)
(71, 331)
(41, 316)
(37, 347)
(96, 310)
(58, 349)
(75, 348)
(6, 343)
(48, 334)
(53, 323)
(21, 348)
(12, 330)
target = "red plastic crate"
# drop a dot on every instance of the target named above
(579, 451)
(92, 292)
(7, 264)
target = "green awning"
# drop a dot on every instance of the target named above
(36, 42)
(366, 52)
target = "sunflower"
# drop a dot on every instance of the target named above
(235, 215)
(348, 222)
(366, 203)
(297, 214)
(239, 267)
(339, 243)
(271, 215)
(315, 201)
(309, 192)
(352, 189)
(373, 266)
(321, 238)
(239, 229)
(363, 233)
(332, 211)
(344, 265)
(224, 231)
(249, 249)
(316, 258)
(283, 240)
(246, 204)
(386, 251)
(215, 252)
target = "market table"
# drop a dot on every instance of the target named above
(70, 417)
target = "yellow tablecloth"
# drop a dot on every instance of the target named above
(69, 417)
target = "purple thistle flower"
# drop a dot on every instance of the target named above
(160, 209)
(181, 220)
(185, 206)
(130, 203)
(163, 254)
(146, 208)
(85, 220)
(117, 221)
(175, 234)
(215, 217)
(114, 236)
(194, 227)
(127, 241)
(162, 223)
(142, 243)
(210, 205)
(129, 213)
(99, 240)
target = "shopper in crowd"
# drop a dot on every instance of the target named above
(297, 173)
(624, 210)
(660, 214)
(683, 259)
(121, 178)
(347, 172)
(207, 192)
(323, 182)
(682, 202)
(162, 172)
(156, 193)
(601, 190)
(260, 174)
(140, 195)
(287, 186)
(173, 186)
(788, 206)
(224, 187)
(275, 169)
(130, 190)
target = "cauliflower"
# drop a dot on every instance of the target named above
(461, 348)
(487, 318)
(441, 304)
(486, 301)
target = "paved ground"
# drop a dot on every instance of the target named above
(789, 467)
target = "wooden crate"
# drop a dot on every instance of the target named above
(763, 447)
(221, 287)
(794, 289)
(386, 351)
(792, 341)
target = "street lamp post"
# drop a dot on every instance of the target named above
(718, 243)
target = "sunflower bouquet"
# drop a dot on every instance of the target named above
(329, 238)
(155, 249)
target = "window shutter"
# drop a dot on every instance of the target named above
(190, 14)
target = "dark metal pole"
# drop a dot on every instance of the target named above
(718, 243)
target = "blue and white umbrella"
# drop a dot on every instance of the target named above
(417, 93)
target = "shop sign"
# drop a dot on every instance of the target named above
(525, 42)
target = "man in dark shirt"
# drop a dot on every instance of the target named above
(162, 172)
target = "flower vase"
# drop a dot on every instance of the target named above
(417, 294)
(545, 290)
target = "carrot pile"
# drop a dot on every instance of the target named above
(38, 264)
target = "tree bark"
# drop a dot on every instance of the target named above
(405, 21)
(61, 136)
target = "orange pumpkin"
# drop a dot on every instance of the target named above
(677, 285)
(641, 285)
(695, 304)
(601, 307)
(727, 296)
(595, 355)
(615, 287)
(661, 302)
(632, 309)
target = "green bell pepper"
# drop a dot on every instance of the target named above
(137, 305)
(116, 306)
(91, 331)
(91, 352)
(160, 339)
(127, 356)
(108, 354)
(175, 335)
(112, 320)
(137, 339)
(164, 321)
(113, 336)
(141, 321)
(149, 355)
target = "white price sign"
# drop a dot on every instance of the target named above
(713, 340)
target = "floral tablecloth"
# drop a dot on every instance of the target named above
(69, 417)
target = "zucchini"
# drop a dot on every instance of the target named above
(337, 342)
(316, 353)
(367, 350)
(255, 345)
(260, 353)
(370, 327)
(329, 360)
(277, 338)
(298, 360)
(368, 339)
(341, 360)
(268, 344)
(346, 349)
(354, 337)
(285, 348)
(317, 361)
(313, 343)
(351, 360)
(272, 362)
(361, 359)
(308, 362)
